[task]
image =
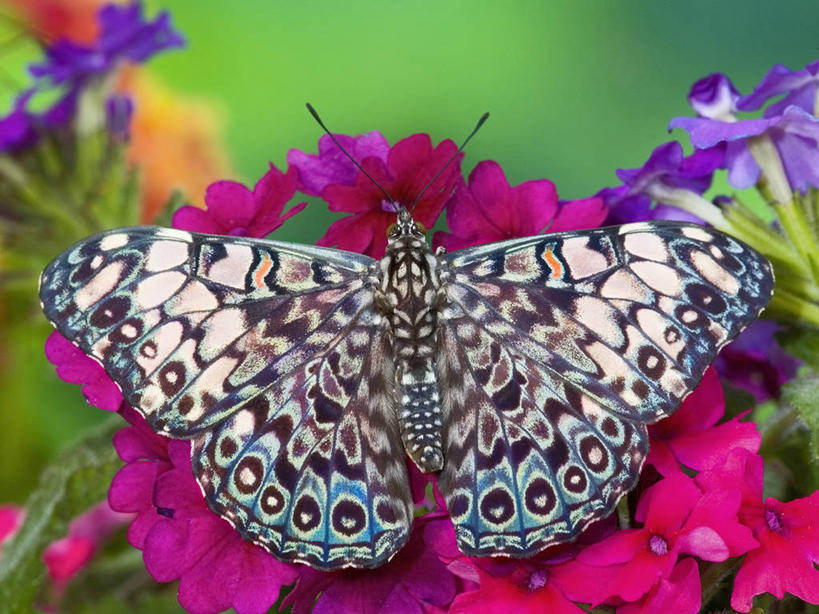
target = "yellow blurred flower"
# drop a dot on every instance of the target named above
(175, 140)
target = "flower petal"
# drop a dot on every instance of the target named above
(75, 367)
(680, 593)
(705, 543)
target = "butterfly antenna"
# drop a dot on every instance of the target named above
(477, 127)
(344, 151)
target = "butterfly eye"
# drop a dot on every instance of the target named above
(390, 229)
(421, 228)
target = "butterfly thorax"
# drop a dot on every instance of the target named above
(408, 296)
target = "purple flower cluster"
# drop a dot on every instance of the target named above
(782, 144)
(125, 36)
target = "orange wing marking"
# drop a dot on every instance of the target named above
(554, 264)
(264, 267)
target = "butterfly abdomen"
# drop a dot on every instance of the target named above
(409, 293)
(420, 416)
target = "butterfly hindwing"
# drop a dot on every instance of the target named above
(318, 482)
(529, 460)
(570, 344)
(265, 354)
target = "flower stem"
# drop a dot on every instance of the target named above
(713, 577)
(774, 428)
(789, 305)
(800, 232)
(746, 225)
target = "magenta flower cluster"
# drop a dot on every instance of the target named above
(700, 498)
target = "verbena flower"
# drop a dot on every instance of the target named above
(489, 209)
(777, 154)
(794, 136)
(64, 173)
(691, 436)
(787, 533)
(678, 518)
(331, 166)
(666, 178)
(755, 362)
(528, 586)
(124, 36)
(415, 581)
(180, 537)
(233, 209)
(409, 166)
(799, 86)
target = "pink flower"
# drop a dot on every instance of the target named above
(538, 584)
(788, 535)
(677, 519)
(75, 367)
(86, 534)
(527, 587)
(413, 582)
(180, 537)
(233, 209)
(409, 166)
(489, 209)
(680, 593)
(331, 166)
(11, 517)
(690, 437)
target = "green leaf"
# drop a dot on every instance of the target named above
(118, 582)
(803, 393)
(802, 342)
(77, 480)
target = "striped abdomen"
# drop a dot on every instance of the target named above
(410, 286)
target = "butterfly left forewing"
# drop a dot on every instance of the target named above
(590, 331)
(270, 357)
(186, 324)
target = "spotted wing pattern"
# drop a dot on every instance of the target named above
(271, 359)
(558, 350)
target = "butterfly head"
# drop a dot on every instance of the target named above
(405, 226)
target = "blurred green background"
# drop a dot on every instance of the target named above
(576, 89)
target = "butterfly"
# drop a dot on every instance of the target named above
(524, 372)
